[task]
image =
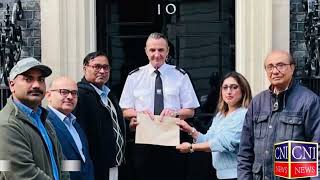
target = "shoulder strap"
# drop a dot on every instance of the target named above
(133, 71)
(181, 70)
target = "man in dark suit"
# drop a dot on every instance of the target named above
(62, 98)
(101, 118)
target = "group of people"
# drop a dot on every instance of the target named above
(81, 134)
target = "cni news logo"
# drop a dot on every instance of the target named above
(296, 159)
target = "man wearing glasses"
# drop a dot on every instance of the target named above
(62, 98)
(100, 117)
(286, 111)
(29, 147)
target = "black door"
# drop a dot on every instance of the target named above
(201, 35)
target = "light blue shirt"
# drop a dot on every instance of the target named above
(224, 137)
(68, 121)
(35, 116)
(103, 93)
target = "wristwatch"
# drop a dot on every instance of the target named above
(193, 130)
(176, 113)
(191, 150)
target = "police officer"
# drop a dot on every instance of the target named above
(158, 89)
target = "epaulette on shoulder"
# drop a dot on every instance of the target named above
(133, 71)
(181, 70)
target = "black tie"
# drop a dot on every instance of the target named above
(158, 94)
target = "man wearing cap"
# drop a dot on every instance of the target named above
(28, 143)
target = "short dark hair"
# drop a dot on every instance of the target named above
(93, 55)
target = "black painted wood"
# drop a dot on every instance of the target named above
(202, 42)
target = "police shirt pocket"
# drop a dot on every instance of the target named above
(261, 124)
(172, 97)
(291, 127)
(171, 92)
(257, 171)
(141, 96)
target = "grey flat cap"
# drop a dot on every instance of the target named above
(28, 63)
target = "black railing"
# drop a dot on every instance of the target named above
(311, 75)
(4, 94)
(10, 47)
(312, 83)
(10, 41)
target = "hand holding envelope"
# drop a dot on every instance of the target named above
(156, 132)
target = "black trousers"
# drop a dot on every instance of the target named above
(153, 162)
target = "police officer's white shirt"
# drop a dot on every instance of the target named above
(138, 91)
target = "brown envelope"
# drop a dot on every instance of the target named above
(165, 133)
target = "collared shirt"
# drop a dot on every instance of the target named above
(103, 93)
(35, 116)
(138, 91)
(68, 121)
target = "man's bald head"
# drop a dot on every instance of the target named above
(280, 53)
(62, 94)
(61, 79)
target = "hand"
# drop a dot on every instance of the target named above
(184, 126)
(149, 113)
(184, 147)
(133, 123)
(168, 112)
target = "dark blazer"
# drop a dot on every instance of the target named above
(70, 149)
(95, 120)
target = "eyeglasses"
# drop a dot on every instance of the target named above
(280, 67)
(66, 92)
(98, 67)
(232, 87)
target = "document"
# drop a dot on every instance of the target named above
(165, 133)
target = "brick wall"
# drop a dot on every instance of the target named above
(30, 26)
(298, 47)
(297, 41)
